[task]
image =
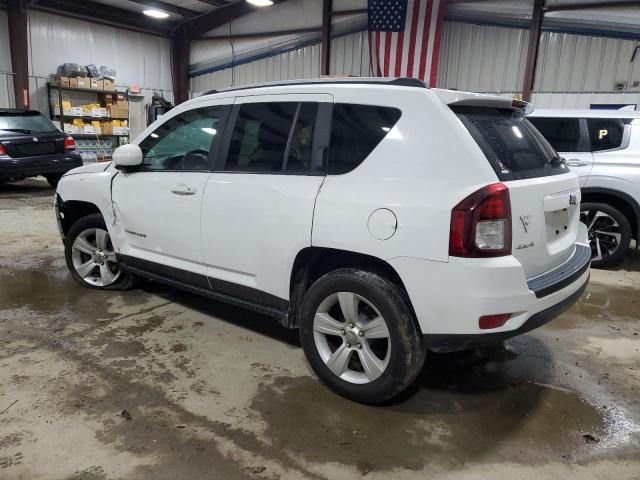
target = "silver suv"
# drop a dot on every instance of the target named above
(603, 148)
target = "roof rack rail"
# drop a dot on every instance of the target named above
(400, 82)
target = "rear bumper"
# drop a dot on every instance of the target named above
(448, 343)
(450, 297)
(44, 165)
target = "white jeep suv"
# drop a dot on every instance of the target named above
(603, 148)
(380, 217)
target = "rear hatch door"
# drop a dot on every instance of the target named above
(29, 134)
(20, 145)
(544, 195)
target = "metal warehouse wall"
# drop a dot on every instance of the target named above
(482, 58)
(349, 56)
(573, 70)
(140, 59)
(6, 81)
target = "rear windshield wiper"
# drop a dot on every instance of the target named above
(17, 130)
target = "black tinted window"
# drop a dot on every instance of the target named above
(260, 137)
(604, 133)
(355, 131)
(562, 133)
(299, 156)
(25, 123)
(184, 141)
(514, 148)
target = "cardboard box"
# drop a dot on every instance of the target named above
(73, 82)
(63, 81)
(93, 82)
(108, 85)
(107, 129)
(88, 129)
(75, 112)
(83, 82)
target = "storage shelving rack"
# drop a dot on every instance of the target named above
(62, 116)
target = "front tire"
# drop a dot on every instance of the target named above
(360, 336)
(609, 234)
(91, 258)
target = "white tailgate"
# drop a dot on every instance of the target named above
(546, 221)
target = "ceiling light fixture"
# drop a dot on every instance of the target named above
(261, 3)
(159, 14)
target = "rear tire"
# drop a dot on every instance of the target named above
(609, 234)
(90, 256)
(373, 358)
(53, 179)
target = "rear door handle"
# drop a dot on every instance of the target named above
(183, 189)
(574, 162)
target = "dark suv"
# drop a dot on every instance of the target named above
(31, 145)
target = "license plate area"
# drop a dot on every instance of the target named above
(561, 228)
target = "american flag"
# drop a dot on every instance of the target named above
(404, 38)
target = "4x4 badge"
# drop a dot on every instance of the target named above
(526, 222)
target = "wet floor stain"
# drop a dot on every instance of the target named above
(503, 403)
(462, 408)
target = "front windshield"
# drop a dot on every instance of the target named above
(25, 123)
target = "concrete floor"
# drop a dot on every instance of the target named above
(212, 391)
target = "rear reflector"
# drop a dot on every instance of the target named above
(481, 224)
(69, 143)
(493, 321)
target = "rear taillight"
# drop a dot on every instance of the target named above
(481, 224)
(3, 152)
(69, 143)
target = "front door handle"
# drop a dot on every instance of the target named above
(574, 162)
(183, 189)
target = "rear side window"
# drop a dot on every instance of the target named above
(604, 133)
(562, 133)
(355, 131)
(514, 148)
(272, 137)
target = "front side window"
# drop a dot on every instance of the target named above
(184, 141)
(562, 133)
(605, 133)
(355, 131)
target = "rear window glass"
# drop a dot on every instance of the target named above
(25, 123)
(355, 131)
(514, 148)
(605, 133)
(562, 133)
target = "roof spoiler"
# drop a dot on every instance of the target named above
(497, 102)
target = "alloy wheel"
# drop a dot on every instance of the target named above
(604, 233)
(352, 338)
(94, 258)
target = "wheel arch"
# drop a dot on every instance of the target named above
(619, 200)
(313, 262)
(69, 212)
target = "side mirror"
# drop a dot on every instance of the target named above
(127, 157)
